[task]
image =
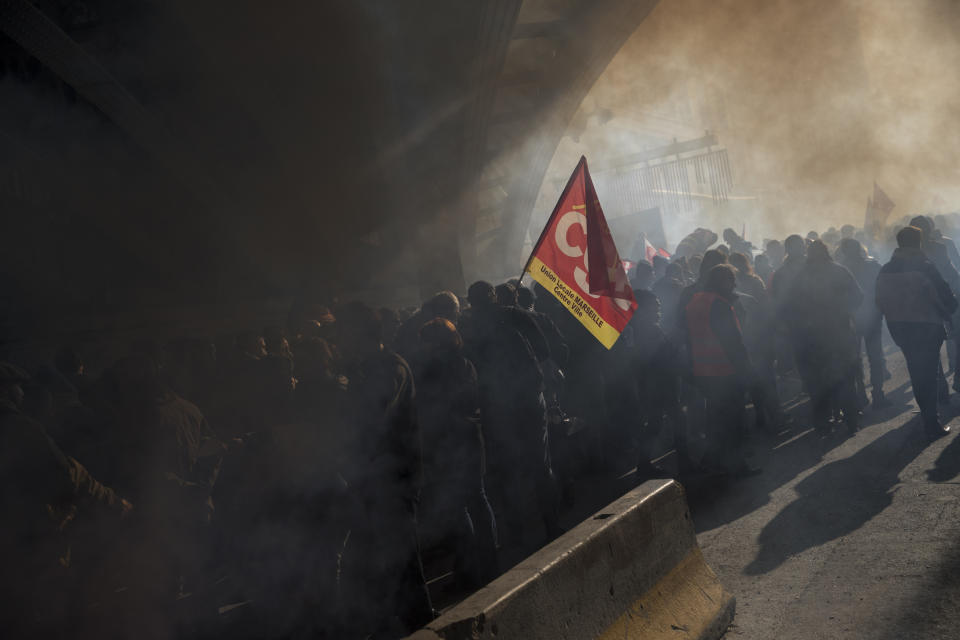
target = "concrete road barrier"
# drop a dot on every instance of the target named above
(631, 571)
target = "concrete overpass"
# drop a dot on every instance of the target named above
(175, 151)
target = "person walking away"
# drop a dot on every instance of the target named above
(819, 311)
(917, 301)
(795, 256)
(720, 366)
(937, 253)
(759, 335)
(868, 321)
(691, 396)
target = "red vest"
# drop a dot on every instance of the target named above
(706, 352)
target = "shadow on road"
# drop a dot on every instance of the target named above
(839, 498)
(947, 466)
(719, 502)
(899, 402)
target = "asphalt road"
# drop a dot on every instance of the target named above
(855, 537)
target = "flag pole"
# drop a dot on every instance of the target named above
(563, 195)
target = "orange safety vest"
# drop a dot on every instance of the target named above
(709, 358)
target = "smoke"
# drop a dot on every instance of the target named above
(813, 100)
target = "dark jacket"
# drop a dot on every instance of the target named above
(385, 459)
(821, 301)
(668, 291)
(448, 401)
(911, 289)
(783, 279)
(936, 252)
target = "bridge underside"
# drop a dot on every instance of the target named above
(170, 152)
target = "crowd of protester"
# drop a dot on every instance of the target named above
(302, 474)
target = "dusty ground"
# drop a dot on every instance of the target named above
(852, 538)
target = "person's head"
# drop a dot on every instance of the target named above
(275, 341)
(643, 275)
(910, 238)
(721, 279)
(851, 249)
(730, 236)
(440, 336)
(795, 246)
(813, 235)
(526, 298)
(359, 331)
(311, 320)
(830, 237)
(542, 298)
(315, 360)
(68, 362)
(445, 304)
(481, 295)
(12, 379)
(251, 343)
(506, 295)
(660, 265)
(818, 252)
(924, 224)
(847, 231)
(775, 252)
(711, 259)
(761, 264)
(724, 249)
(648, 307)
(740, 262)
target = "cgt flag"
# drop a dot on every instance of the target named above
(576, 260)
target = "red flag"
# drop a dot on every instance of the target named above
(577, 261)
(649, 251)
(882, 202)
(878, 210)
